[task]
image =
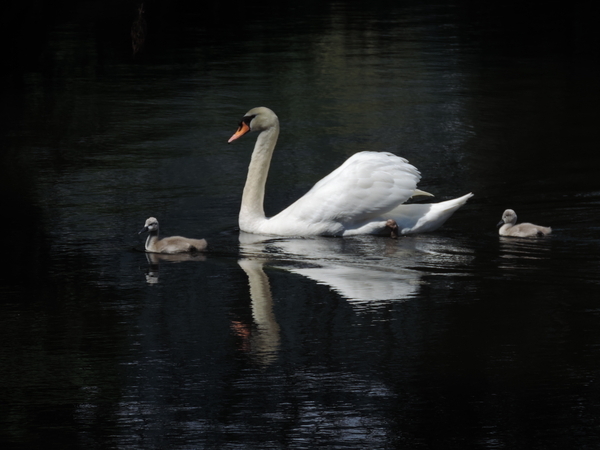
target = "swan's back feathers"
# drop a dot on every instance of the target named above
(367, 185)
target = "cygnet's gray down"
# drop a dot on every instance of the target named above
(173, 244)
(508, 227)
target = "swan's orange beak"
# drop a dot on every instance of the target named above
(242, 130)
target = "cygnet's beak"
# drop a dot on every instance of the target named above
(500, 223)
(143, 230)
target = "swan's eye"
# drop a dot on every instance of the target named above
(247, 119)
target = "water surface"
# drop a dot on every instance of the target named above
(453, 339)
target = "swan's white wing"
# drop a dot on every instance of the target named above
(367, 185)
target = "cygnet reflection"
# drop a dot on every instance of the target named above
(154, 260)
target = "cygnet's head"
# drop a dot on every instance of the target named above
(391, 225)
(509, 216)
(150, 225)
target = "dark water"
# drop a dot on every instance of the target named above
(454, 339)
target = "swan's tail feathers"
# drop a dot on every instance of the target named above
(423, 217)
(455, 203)
(420, 193)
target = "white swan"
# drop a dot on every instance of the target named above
(508, 227)
(356, 198)
(169, 245)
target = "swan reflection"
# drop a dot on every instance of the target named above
(263, 341)
(360, 270)
(365, 270)
(334, 262)
(361, 285)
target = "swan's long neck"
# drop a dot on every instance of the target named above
(252, 209)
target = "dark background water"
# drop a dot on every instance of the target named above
(454, 339)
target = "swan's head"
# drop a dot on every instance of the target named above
(150, 225)
(509, 216)
(257, 119)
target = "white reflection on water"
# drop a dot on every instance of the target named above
(365, 268)
(354, 283)
(264, 344)
(329, 261)
(370, 271)
(361, 285)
